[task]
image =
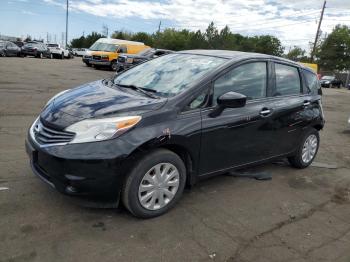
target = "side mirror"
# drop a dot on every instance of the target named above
(232, 100)
(228, 100)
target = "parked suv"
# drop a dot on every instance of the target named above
(126, 61)
(330, 81)
(36, 49)
(58, 52)
(172, 121)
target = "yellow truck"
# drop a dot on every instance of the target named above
(105, 51)
(312, 66)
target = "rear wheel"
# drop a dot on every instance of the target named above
(307, 150)
(154, 184)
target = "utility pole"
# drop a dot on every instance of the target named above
(160, 23)
(318, 31)
(67, 24)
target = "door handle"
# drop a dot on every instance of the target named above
(265, 112)
(307, 103)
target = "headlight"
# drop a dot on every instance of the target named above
(92, 130)
(55, 96)
(327, 82)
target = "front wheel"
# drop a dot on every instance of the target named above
(154, 184)
(307, 150)
(114, 66)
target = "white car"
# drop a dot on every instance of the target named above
(59, 52)
(80, 51)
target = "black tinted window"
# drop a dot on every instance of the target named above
(287, 80)
(248, 79)
(311, 81)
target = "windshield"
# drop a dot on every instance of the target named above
(327, 78)
(98, 46)
(171, 74)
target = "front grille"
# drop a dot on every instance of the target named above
(96, 57)
(121, 59)
(47, 135)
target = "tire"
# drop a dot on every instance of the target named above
(298, 160)
(164, 161)
(62, 56)
(114, 65)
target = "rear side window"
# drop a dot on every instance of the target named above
(312, 82)
(287, 80)
(248, 79)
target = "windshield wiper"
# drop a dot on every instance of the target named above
(147, 91)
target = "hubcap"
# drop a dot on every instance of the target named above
(309, 149)
(159, 186)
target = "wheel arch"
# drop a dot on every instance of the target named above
(184, 153)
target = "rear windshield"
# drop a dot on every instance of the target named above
(103, 47)
(30, 45)
(170, 74)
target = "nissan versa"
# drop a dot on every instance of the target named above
(172, 121)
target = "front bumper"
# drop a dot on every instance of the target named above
(100, 62)
(97, 179)
(86, 60)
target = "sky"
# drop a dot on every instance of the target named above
(294, 22)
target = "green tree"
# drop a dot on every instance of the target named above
(124, 35)
(143, 37)
(85, 42)
(297, 54)
(334, 51)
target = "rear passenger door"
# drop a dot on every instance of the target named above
(291, 105)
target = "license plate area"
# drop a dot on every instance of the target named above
(32, 153)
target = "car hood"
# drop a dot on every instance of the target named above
(94, 100)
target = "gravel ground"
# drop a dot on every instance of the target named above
(299, 215)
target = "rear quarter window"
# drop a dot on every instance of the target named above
(311, 82)
(287, 80)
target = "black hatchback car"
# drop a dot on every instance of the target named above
(172, 121)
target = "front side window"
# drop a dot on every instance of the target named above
(248, 79)
(311, 81)
(287, 80)
(171, 74)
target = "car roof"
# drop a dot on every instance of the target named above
(238, 55)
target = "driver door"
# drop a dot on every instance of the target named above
(238, 136)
